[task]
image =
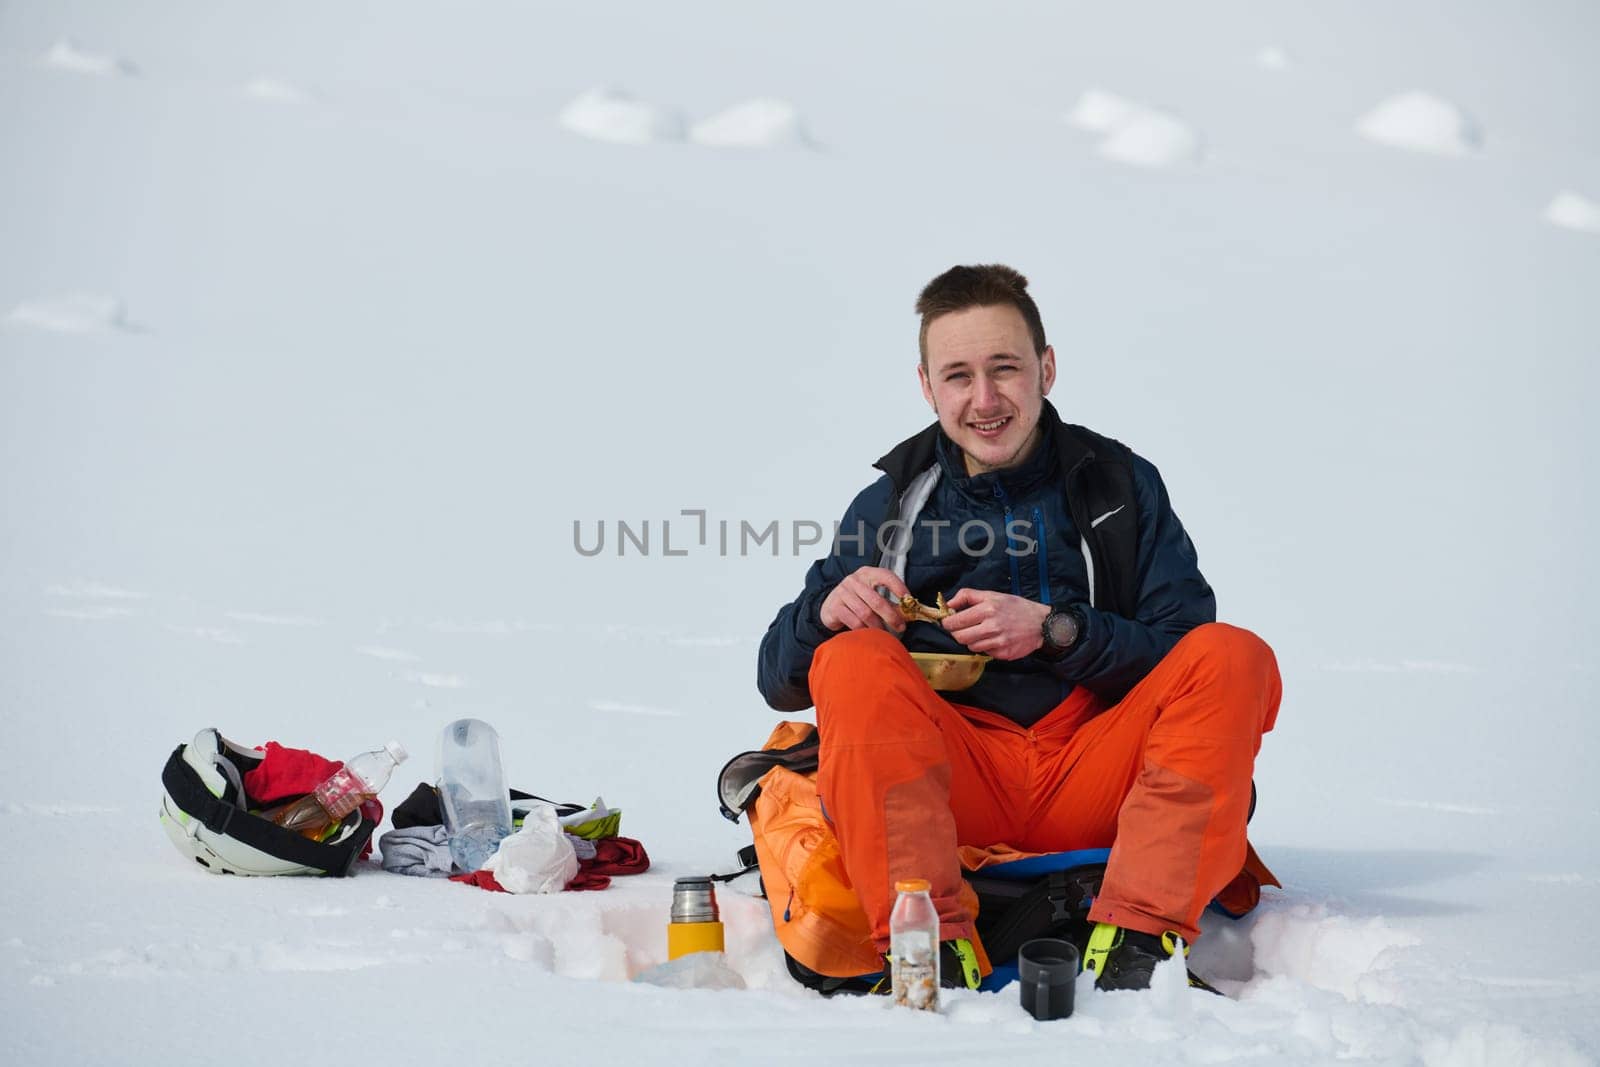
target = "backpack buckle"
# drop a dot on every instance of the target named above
(1060, 911)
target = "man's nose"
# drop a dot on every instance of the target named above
(984, 391)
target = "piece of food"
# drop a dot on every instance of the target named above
(914, 610)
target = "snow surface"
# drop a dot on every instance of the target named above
(404, 340)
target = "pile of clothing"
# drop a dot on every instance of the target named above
(555, 847)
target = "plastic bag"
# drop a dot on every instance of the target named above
(537, 858)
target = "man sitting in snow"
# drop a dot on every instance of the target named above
(1116, 712)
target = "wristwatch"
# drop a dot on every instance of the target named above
(1060, 631)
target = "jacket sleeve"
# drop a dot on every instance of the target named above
(795, 635)
(1113, 654)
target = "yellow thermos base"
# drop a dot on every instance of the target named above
(684, 938)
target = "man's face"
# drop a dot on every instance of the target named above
(986, 384)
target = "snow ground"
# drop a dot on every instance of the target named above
(306, 465)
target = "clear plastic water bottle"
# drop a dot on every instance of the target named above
(472, 791)
(914, 946)
(320, 811)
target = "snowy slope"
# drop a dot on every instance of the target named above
(320, 329)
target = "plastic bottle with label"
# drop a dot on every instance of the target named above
(914, 946)
(321, 811)
(472, 792)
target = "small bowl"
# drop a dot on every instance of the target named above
(951, 671)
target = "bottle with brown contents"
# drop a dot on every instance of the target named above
(914, 946)
(320, 811)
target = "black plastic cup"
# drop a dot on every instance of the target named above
(1048, 972)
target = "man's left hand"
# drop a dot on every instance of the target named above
(1004, 626)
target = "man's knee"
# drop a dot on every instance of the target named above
(866, 688)
(851, 657)
(1234, 646)
(1240, 664)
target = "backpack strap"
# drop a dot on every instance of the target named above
(183, 784)
(1105, 508)
(747, 863)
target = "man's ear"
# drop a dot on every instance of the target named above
(927, 386)
(1047, 370)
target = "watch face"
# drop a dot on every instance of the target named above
(1063, 630)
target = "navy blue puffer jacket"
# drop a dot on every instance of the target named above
(1035, 531)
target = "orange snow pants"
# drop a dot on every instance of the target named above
(1162, 778)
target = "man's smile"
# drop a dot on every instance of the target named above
(992, 428)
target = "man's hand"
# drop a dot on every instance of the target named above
(856, 604)
(1004, 626)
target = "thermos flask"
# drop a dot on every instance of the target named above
(696, 924)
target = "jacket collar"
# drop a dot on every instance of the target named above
(917, 453)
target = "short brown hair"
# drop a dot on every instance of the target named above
(987, 285)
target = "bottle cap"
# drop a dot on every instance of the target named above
(912, 885)
(397, 751)
(694, 900)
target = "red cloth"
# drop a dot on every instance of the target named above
(287, 772)
(616, 855)
(293, 772)
(481, 879)
(612, 855)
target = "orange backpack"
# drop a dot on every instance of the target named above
(816, 915)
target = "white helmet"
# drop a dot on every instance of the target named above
(205, 813)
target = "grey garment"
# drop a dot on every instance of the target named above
(416, 850)
(425, 850)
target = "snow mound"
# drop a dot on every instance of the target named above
(1339, 953)
(1101, 112)
(1421, 122)
(618, 118)
(76, 313)
(1153, 140)
(1573, 211)
(274, 91)
(1273, 58)
(758, 123)
(66, 55)
(1135, 133)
